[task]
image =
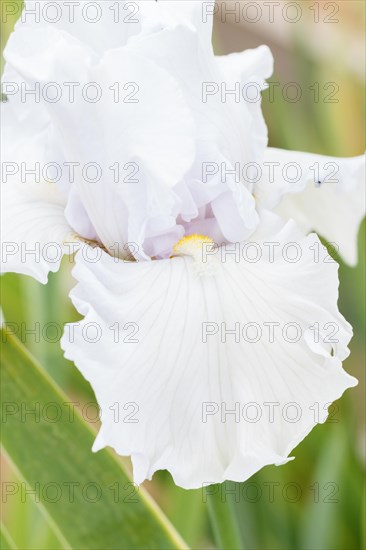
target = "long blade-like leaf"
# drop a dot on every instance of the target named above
(88, 497)
(6, 542)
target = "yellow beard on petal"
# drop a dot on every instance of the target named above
(198, 247)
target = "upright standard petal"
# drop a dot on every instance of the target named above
(34, 232)
(160, 118)
(102, 25)
(211, 369)
(250, 69)
(139, 134)
(198, 14)
(229, 132)
(324, 194)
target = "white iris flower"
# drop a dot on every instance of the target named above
(208, 361)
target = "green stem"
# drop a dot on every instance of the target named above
(222, 513)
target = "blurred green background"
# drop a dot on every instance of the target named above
(318, 498)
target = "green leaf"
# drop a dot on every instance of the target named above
(6, 542)
(87, 497)
(324, 509)
(223, 517)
